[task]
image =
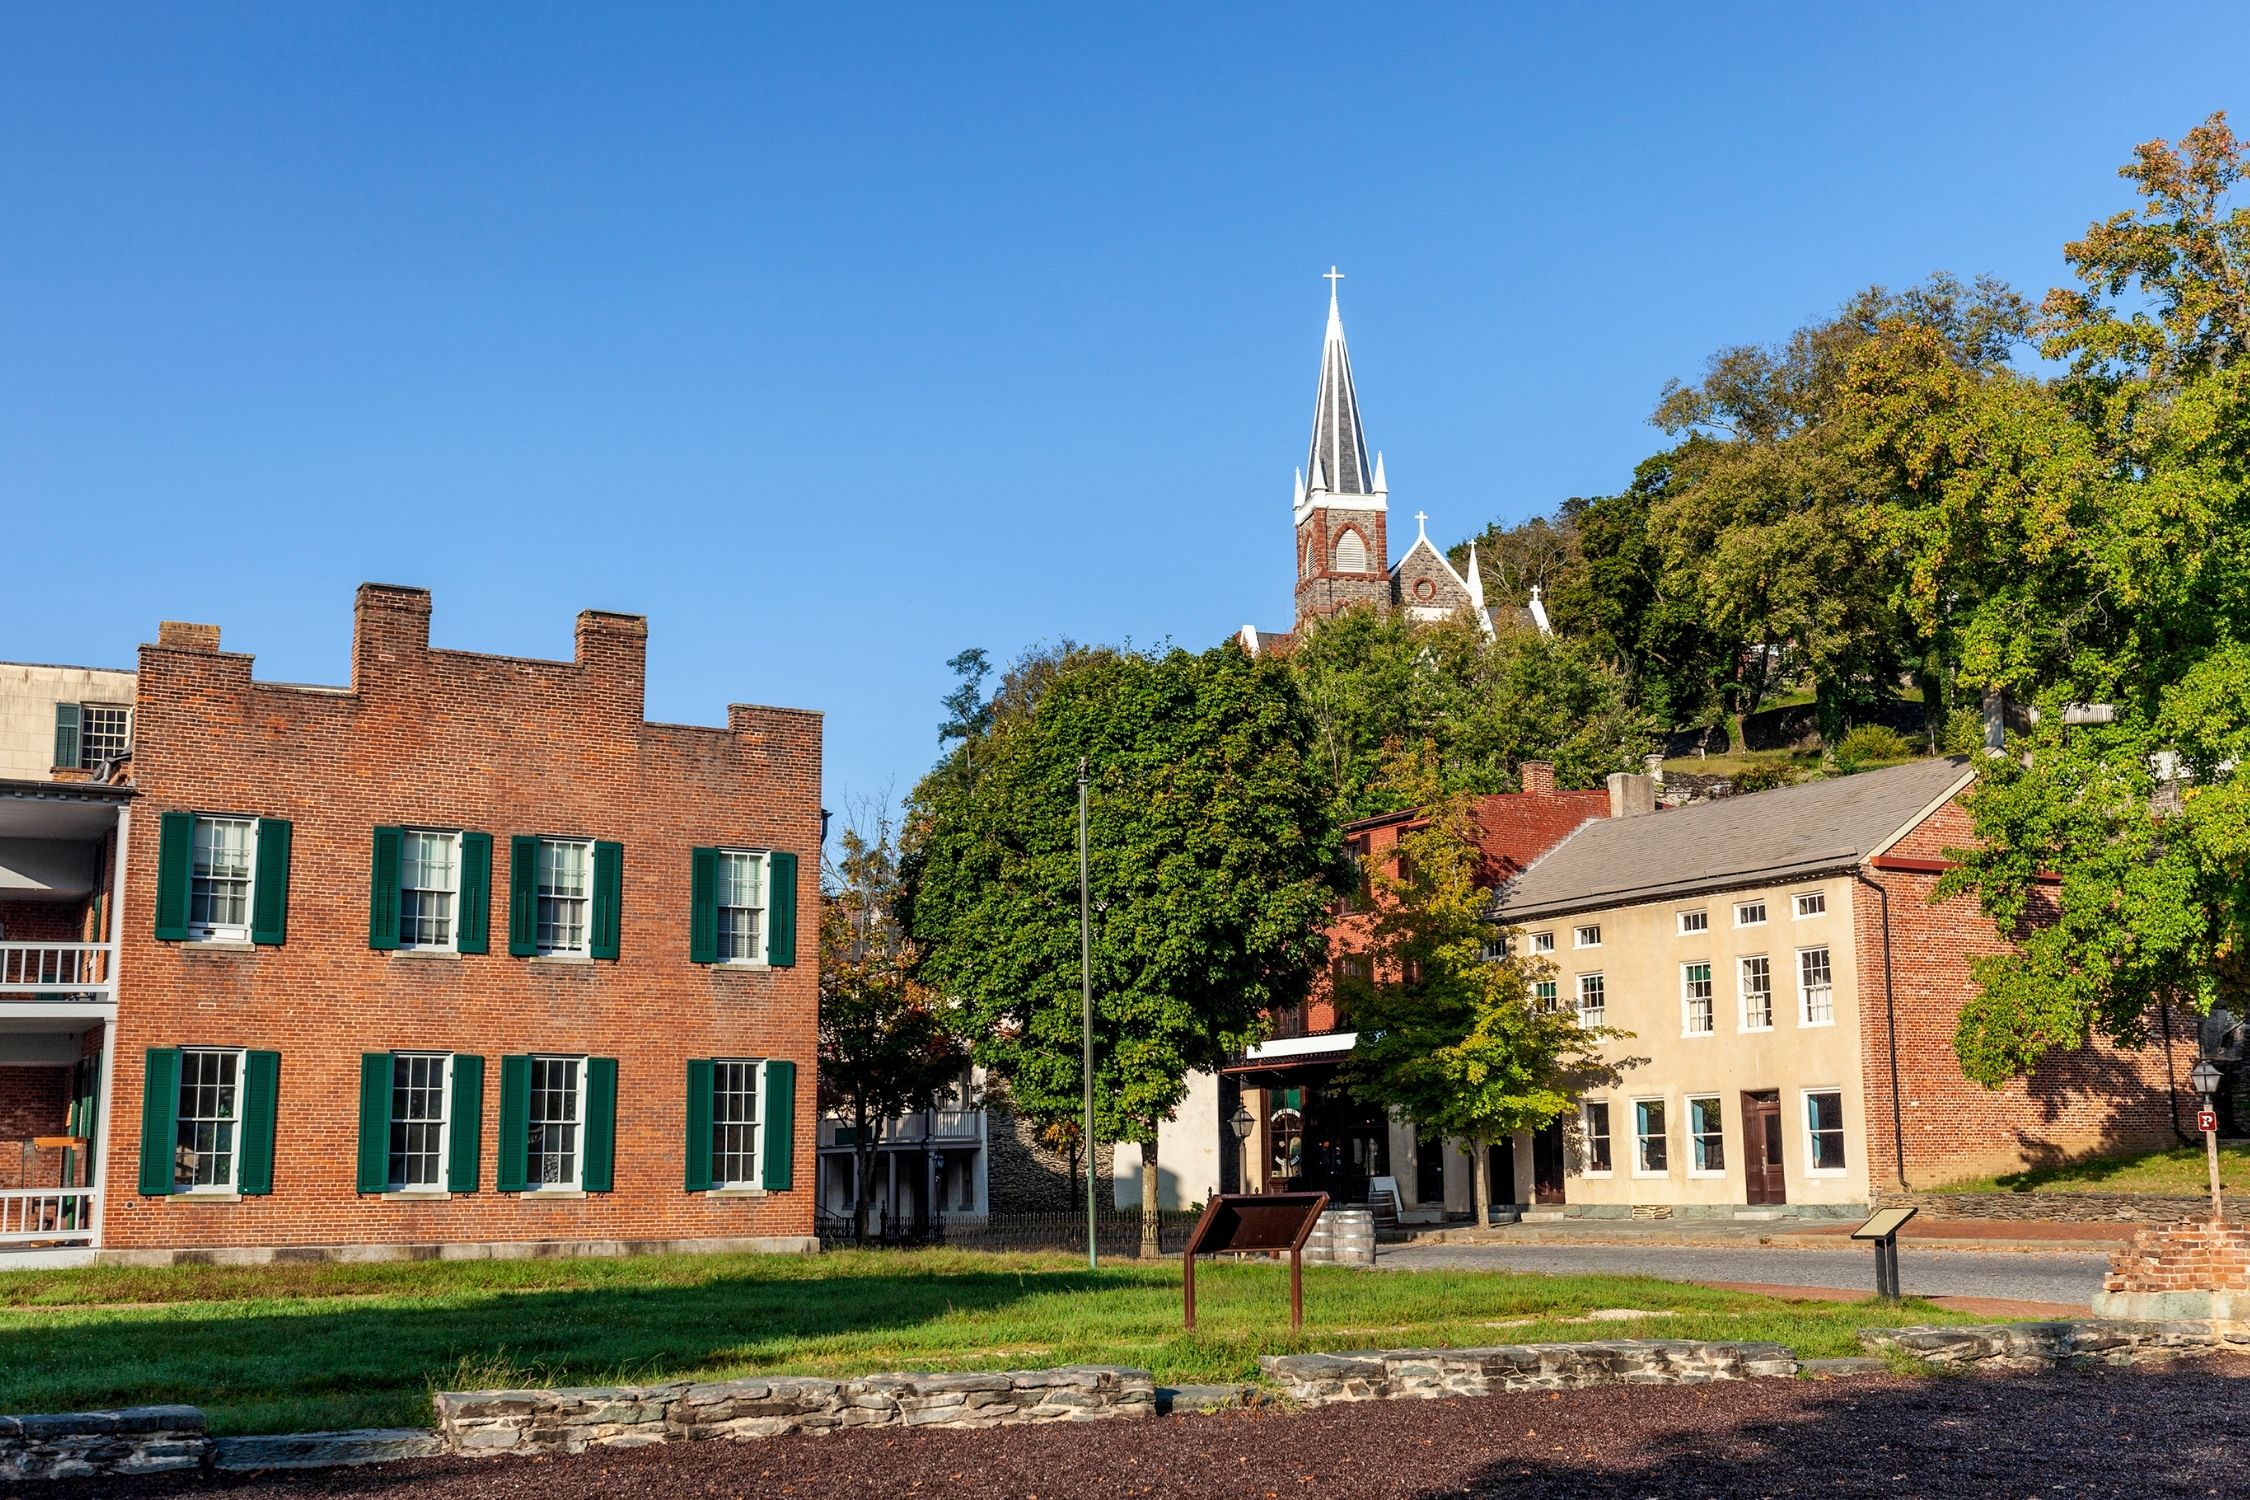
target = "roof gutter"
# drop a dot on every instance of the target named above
(1890, 1020)
(1843, 863)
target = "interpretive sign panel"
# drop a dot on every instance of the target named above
(1247, 1223)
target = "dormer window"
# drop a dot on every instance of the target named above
(1351, 553)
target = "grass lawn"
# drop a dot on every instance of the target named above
(280, 1348)
(2174, 1170)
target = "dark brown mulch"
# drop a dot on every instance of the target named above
(2109, 1433)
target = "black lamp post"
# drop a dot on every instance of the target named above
(1242, 1122)
(2205, 1078)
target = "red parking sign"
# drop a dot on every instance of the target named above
(2206, 1119)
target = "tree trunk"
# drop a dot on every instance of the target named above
(1480, 1184)
(863, 1157)
(1151, 1246)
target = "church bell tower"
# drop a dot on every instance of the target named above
(1339, 502)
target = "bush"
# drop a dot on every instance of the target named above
(1963, 733)
(1764, 777)
(1870, 745)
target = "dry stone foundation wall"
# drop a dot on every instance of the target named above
(1386, 1374)
(2063, 1208)
(90, 1444)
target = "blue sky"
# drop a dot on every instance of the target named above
(835, 339)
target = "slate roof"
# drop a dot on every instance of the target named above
(1338, 460)
(1789, 832)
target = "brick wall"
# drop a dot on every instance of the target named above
(1322, 591)
(2091, 1099)
(33, 1102)
(2193, 1257)
(450, 739)
(43, 921)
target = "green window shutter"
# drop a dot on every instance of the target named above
(511, 1164)
(160, 1120)
(601, 1124)
(781, 910)
(780, 1085)
(261, 1098)
(175, 872)
(382, 893)
(467, 1144)
(269, 894)
(67, 718)
(472, 929)
(698, 1125)
(703, 907)
(374, 1121)
(609, 898)
(523, 898)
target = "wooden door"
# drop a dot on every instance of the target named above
(1761, 1147)
(1547, 1163)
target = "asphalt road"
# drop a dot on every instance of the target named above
(2063, 1278)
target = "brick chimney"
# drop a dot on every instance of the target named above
(178, 635)
(613, 653)
(390, 633)
(1537, 778)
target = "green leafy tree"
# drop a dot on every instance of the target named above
(1540, 553)
(1372, 678)
(886, 1048)
(1212, 850)
(1456, 1040)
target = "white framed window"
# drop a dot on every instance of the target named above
(429, 888)
(1695, 1000)
(1586, 937)
(1593, 1000)
(209, 1140)
(1694, 921)
(1707, 1137)
(1650, 1156)
(421, 1090)
(219, 885)
(1493, 950)
(737, 1124)
(1545, 997)
(1754, 976)
(1542, 942)
(1824, 1132)
(741, 899)
(105, 732)
(566, 885)
(1594, 1115)
(1810, 904)
(1750, 913)
(556, 1159)
(1816, 987)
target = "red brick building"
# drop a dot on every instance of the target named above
(465, 958)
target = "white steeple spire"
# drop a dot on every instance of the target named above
(1382, 485)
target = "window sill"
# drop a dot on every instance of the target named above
(735, 1192)
(530, 1195)
(420, 953)
(218, 945)
(562, 958)
(1755, 1030)
(1816, 1025)
(740, 963)
(204, 1197)
(1696, 1035)
(413, 1195)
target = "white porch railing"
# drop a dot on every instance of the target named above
(37, 968)
(49, 1215)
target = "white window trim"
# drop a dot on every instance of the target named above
(443, 1187)
(452, 943)
(231, 1189)
(1680, 923)
(764, 959)
(1802, 997)
(1578, 935)
(1687, 1106)
(1764, 907)
(585, 949)
(226, 935)
(757, 1182)
(1542, 942)
(1586, 1129)
(576, 1187)
(86, 760)
(1635, 1106)
(1742, 992)
(1806, 1142)
(1578, 997)
(1797, 913)
(1687, 1012)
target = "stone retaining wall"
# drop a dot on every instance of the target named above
(480, 1423)
(93, 1444)
(2062, 1208)
(2046, 1346)
(1385, 1374)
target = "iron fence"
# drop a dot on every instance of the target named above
(1116, 1234)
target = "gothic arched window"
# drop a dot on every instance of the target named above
(1351, 553)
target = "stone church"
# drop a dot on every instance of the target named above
(1340, 508)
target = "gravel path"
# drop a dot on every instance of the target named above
(2109, 1433)
(2065, 1278)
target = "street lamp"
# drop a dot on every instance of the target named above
(1242, 1122)
(2204, 1078)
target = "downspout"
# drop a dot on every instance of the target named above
(1890, 1021)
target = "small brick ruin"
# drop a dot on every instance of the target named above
(2190, 1270)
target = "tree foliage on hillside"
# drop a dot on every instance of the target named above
(1374, 678)
(1211, 847)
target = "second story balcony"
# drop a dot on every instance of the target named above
(58, 893)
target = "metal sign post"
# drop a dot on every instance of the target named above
(1883, 1231)
(1236, 1223)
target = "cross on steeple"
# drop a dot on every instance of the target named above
(1332, 276)
(1421, 528)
